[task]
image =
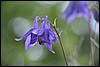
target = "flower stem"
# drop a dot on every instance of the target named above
(61, 45)
(91, 49)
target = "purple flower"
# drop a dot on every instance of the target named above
(41, 36)
(76, 9)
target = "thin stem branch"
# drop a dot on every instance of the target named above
(91, 49)
(61, 44)
(95, 43)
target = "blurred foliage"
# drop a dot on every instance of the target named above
(75, 37)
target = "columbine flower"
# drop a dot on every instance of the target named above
(41, 36)
(76, 8)
(32, 35)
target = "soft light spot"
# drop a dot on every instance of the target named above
(63, 6)
(48, 2)
(94, 25)
(20, 26)
(36, 53)
(80, 26)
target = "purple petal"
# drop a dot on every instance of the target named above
(45, 20)
(81, 4)
(40, 32)
(34, 38)
(37, 31)
(25, 35)
(30, 43)
(74, 9)
(84, 10)
(37, 19)
(49, 46)
(45, 36)
(70, 13)
(86, 15)
(69, 10)
(52, 36)
(71, 18)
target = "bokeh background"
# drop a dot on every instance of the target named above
(17, 18)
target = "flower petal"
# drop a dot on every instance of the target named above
(71, 18)
(25, 35)
(30, 42)
(76, 9)
(52, 36)
(69, 10)
(37, 19)
(49, 46)
(37, 31)
(45, 20)
(86, 14)
(34, 38)
(40, 32)
(45, 36)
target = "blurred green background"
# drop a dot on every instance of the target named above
(17, 18)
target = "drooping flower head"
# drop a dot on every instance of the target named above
(76, 9)
(41, 36)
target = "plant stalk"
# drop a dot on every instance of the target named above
(61, 46)
(91, 48)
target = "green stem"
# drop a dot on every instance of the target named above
(91, 49)
(61, 44)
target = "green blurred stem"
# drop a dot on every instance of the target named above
(61, 44)
(96, 8)
(91, 48)
(95, 43)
